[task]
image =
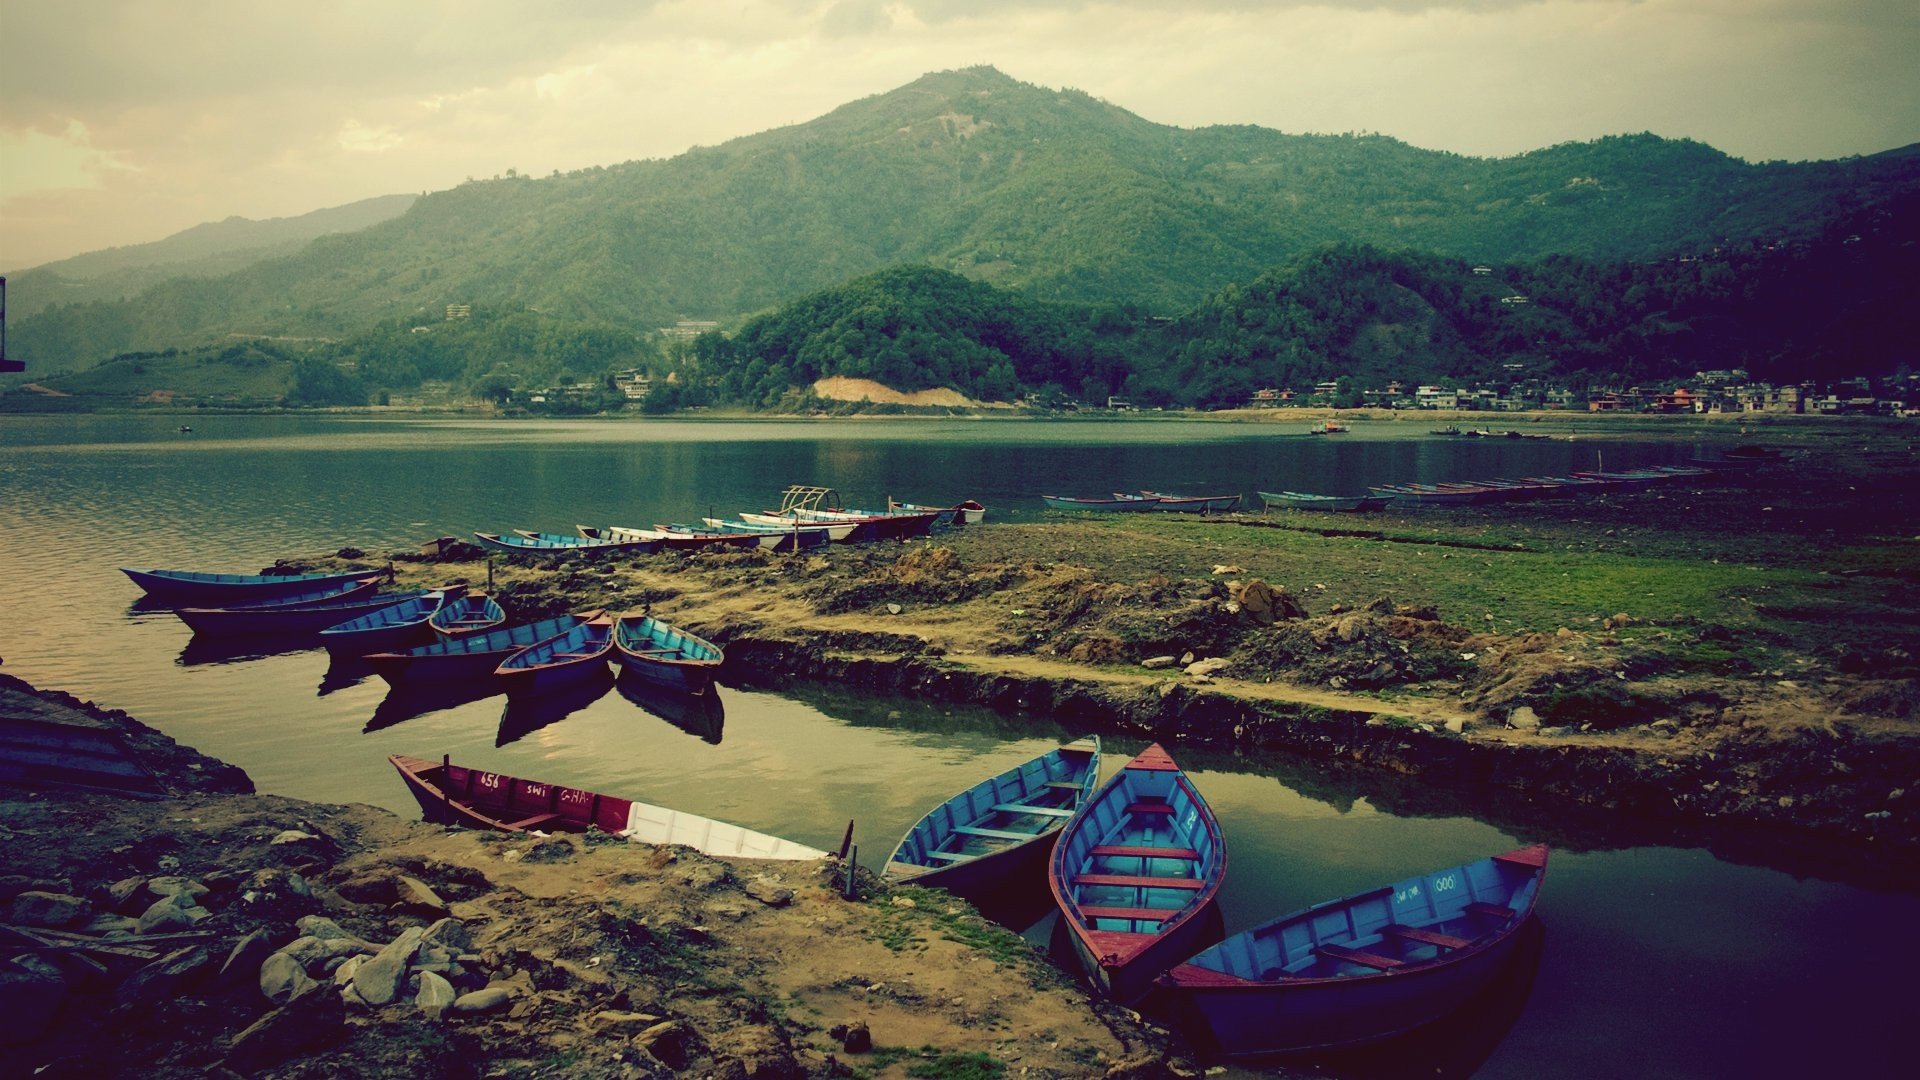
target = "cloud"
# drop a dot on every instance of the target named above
(36, 162)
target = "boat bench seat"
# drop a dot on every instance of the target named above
(1134, 881)
(1491, 911)
(533, 822)
(1149, 808)
(1023, 808)
(1147, 852)
(1154, 914)
(991, 834)
(1424, 937)
(1358, 956)
(1064, 785)
(573, 655)
(950, 856)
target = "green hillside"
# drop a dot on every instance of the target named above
(1051, 192)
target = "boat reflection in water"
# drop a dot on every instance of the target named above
(527, 714)
(202, 649)
(406, 702)
(699, 715)
(342, 672)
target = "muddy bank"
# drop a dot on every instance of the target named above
(209, 931)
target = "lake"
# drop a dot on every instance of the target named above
(1656, 960)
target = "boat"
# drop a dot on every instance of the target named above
(1135, 874)
(1330, 428)
(1128, 504)
(559, 544)
(792, 537)
(302, 614)
(451, 794)
(471, 612)
(1432, 494)
(191, 588)
(666, 655)
(468, 657)
(572, 655)
(1362, 968)
(384, 628)
(664, 538)
(838, 532)
(806, 504)
(1194, 504)
(970, 512)
(1302, 500)
(998, 832)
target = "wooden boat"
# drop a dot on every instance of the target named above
(305, 613)
(573, 655)
(664, 538)
(1129, 504)
(189, 588)
(666, 655)
(966, 513)
(1431, 494)
(560, 544)
(807, 504)
(1301, 500)
(1135, 872)
(451, 794)
(998, 832)
(1362, 968)
(468, 657)
(471, 612)
(38, 754)
(1196, 504)
(794, 537)
(385, 628)
(839, 532)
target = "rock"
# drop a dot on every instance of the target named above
(1155, 663)
(31, 992)
(1266, 605)
(436, 995)
(670, 1041)
(450, 934)
(293, 836)
(174, 884)
(319, 926)
(12, 885)
(553, 849)
(304, 1024)
(480, 1002)
(1208, 666)
(49, 910)
(1457, 725)
(894, 609)
(127, 894)
(378, 980)
(1186, 658)
(582, 975)
(343, 975)
(106, 925)
(768, 892)
(315, 953)
(165, 978)
(414, 896)
(763, 1053)
(169, 914)
(1524, 718)
(282, 978)
(245, 959)
(855, 1038)
(626, 1024)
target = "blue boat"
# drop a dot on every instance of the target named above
(468, 657)
(309, 617)
(472, 612)
(1125, 504)
(1135, 872)
(190, 588)
(665, 655)
(384, 628)
(998, 832)
(570, 657)
(1304, 500)
(1362, 968)
(561, 544)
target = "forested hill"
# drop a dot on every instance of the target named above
(1052, 192)
(210, 250)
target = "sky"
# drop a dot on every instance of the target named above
(124, 121)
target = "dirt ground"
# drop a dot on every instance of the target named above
(615, 959)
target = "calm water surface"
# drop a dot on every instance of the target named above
(1655, 960)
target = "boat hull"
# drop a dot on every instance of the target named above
(188, 588)
(1359, 969)
(566, 659)
(985, 869)
(1136, 873)
(664, 655)
(289, 620)
(468, 657)
(1118, 506)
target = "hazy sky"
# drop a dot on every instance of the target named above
(122, 121)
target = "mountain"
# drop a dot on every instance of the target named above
(204, 251)
(1055, 193)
